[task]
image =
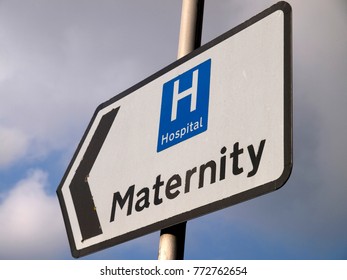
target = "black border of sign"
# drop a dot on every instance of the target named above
(255, 192)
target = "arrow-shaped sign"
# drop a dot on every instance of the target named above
(210, 130)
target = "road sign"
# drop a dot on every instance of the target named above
(210, 130)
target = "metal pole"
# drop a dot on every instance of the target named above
(191, 26)
(171, 243)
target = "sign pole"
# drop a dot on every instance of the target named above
(172, 239)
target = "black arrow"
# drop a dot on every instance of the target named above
(80, 192)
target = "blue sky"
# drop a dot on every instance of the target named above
(60, 59)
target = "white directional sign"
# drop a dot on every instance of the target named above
(210, 130)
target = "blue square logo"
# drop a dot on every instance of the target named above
(184, 106)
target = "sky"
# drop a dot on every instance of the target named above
(60, 59)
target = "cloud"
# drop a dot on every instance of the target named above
(60, 61)
(31, 223)
(13, 146)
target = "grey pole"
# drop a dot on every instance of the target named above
(171, 243)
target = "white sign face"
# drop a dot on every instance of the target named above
(211, 130)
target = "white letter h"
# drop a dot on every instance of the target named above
(193, 92)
